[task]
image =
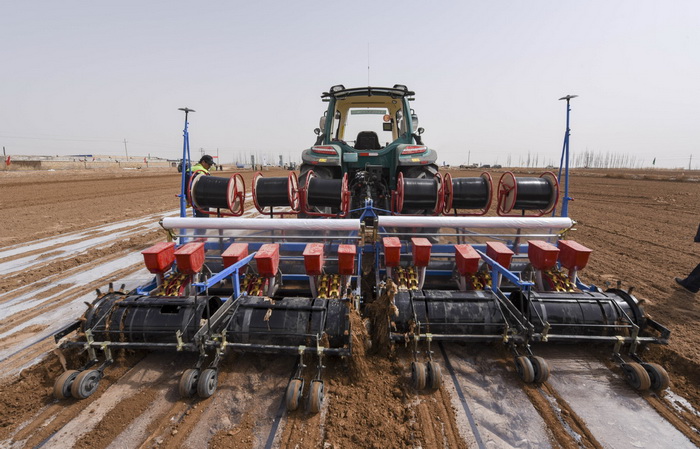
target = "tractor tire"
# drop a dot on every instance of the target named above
(421, 172)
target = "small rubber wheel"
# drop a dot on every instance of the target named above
(61, 388)
(636, 376)
(419, 375)
(188, 383)
(294, 391)
(524, 368)
(206, 385)
(657, 375)
(85, 383)
(434, 375)
(541, 368)
(315, 396)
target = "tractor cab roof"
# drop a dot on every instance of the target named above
(340, 91)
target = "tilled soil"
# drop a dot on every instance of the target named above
(639, 225)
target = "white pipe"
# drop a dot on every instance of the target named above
(352, 224)
(287, 224)
(475, 222)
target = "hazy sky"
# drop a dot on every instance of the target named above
(80, 77)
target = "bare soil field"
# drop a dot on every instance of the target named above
(640, 226)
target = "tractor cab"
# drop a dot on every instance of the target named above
(368, 118)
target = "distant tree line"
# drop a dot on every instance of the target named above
(583, 159)
(594, 159)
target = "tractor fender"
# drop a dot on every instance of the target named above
(429, 156)
(311, 157)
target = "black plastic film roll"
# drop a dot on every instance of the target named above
(325, 192)
(420, 193)
(272, 192)
(470, 193)
(211, 191)
(533, 194)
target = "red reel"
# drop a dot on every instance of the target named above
(290, 189)
(344, 200)
(398, 196)
(512, 189)
(449, 196)
(235, 195)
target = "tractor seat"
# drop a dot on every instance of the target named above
(367, 140)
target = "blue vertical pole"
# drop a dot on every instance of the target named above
(185, 163)
(564, 161)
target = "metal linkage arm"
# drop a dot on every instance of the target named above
(221, 275)
(498, 269)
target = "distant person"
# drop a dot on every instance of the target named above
(692, 282)
(202, 168)
(204, 164)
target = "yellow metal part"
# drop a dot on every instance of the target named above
(172, 284)
(406, 278)
(479, 280)
(253, 284)
(328, 286)
(560, 281)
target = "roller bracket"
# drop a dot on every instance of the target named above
(180, 343)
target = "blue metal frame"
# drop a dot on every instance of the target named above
(564, 161)
(497, 269)
(232, 271)
(185, 164)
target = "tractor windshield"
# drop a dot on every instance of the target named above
(369, 123)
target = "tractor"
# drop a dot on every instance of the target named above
(370, 134)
